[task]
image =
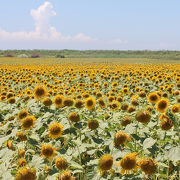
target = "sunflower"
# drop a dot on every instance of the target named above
(21, 136)
(26, 173)
(125, 90)
(79, 104)
(55, 130)
(153, 97)
(162, 105)
(166, 123)
(9, 145)
(22, 114)
(105, 163)
(22, 162)
(11, 100)
(74, 117)
(175, 108)
(21, 153)
(120, 138)
(58, 101)
(148, 166)
(90, 103)
(39, 92)
(93, 124)
(101, 103)
(48, 151)
(143, 116)
(61, 163)
(47, 101)
(128, 163)
(68, 102)
(125, 121)
(66, 175)
(28, 122)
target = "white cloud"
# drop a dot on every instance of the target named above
(46, 36)
(42, 17)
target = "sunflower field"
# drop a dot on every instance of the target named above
(90, 121)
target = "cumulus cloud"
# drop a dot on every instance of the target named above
(42, 17)
(47, 36)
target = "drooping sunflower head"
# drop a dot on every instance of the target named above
(175, 108)
(61, 163)
(66, 175)
(105, 162)
(48, 151)
(128, 162)
(148, 166)
(26, 173)
(39, 92)
(74, 117)
(143, 116)
(22, 162)
(120, 138)
(55, 130)
(22, 114)
(90, 103)
(28, 122)
(165, 123)
(22, 136)
(21, 153)
(162, 105)
(47, 101)
(101, 103)
(125, 121)
(9, 145)
(93, 124)
(68, 102)
(79, 104)
(153, 97)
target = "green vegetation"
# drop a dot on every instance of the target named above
(165, 55)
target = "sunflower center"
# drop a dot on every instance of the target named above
(27, 123)
(89, 103)
(40, 92)
(153, 97)
(47, 151)
(162, 105)
(55, 130)
(128, 163)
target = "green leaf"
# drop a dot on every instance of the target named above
(75, 165)
(148, 143)
(174, 154)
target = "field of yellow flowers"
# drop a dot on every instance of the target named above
(90, 121)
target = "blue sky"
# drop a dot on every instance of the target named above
(90, 24)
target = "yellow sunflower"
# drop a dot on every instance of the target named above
(28, 122)
(162, 105)
(58, 101)
(26, 173)
(90, 103)
(39, 92)
(120, 138)
(148, 166)
(153, 97)
(128, 163)
(55, 130)
(105, 163)
(48, 151)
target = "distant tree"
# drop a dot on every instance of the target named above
(60, 56)
(9, 55)
(35, 55)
